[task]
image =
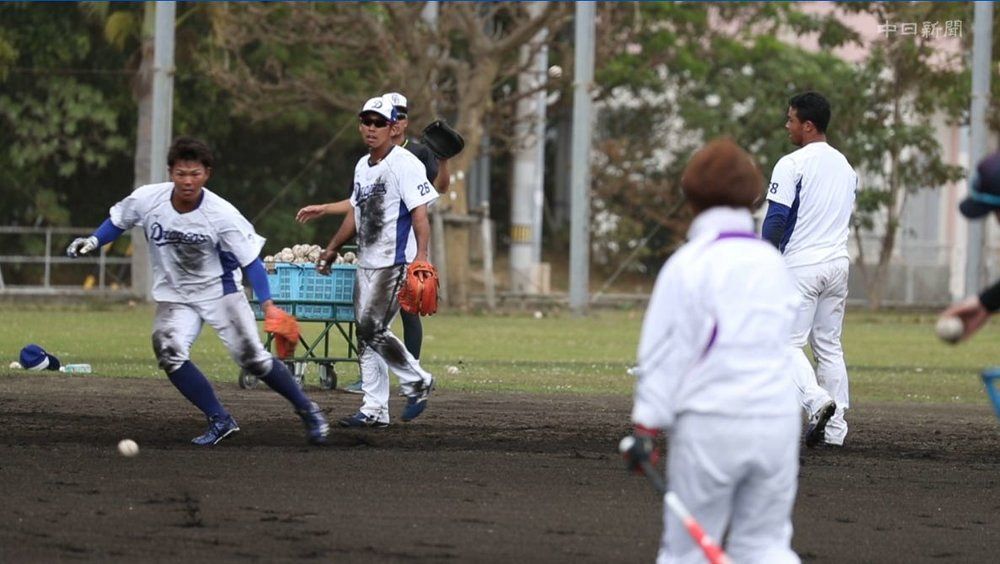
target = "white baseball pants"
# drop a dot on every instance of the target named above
(820, 321)
(735, 473)
(375, 305)
(176, 326)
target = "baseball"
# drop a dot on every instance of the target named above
(128, 448)
(949, 329)
(452, 369)
(15, 365)
(555, 71)
(539, 315)
(626, 444)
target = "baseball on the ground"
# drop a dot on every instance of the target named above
(128, 448)
(949, 329)
(452, 369)
(15, 365)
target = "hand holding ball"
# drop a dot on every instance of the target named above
(949, 329)
(128, 448)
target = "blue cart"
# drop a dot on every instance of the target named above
(313, 298)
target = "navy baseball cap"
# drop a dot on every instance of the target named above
(34, 357)
(984, 194)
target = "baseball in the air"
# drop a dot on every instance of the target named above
(949, 329)
(539, 315)
(128, 448)
(555, 71)
(452, 369)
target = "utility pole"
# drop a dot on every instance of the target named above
(982, 41)
(156, 106)
(527, 186)
(579, 248)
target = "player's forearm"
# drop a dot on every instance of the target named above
(421, 231)
(347, 230)
(775, 223)
(107, 232)
(257, 276)
(443, 180)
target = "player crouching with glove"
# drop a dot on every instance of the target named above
(714, 358)
(197, 245)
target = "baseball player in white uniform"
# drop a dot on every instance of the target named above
(713, 360)
(810, 200)
(198, 243)
(389, 199)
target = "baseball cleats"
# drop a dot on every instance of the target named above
(360, 420)
(416, 402)
(219, 427)
(354, 388)
(816, 432)
(316, 426)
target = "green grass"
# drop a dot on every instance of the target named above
(891, 356)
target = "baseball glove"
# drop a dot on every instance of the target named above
(444, 141)
(285, 329)
(419, 294)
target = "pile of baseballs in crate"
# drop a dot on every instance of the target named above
(304, 253)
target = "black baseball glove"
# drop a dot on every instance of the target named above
(444, 141)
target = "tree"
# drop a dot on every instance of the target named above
(326, 59)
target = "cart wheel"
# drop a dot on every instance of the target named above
(298, 372)
(247, 381)
(327, 376)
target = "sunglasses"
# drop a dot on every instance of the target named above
(374, 122)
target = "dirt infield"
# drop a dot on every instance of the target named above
(478, 478)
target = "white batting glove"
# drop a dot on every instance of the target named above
(81, 246)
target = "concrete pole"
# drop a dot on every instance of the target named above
(527, 192)
(152, 166)
(579, 248)
(982, 40)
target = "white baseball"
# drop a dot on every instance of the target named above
(555, 71)
(626, 443)
(539, 315)
(949, 329)
(128, 448)
(452, 369)
(15, 365)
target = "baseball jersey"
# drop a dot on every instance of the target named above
(196, 256)
(384, 194)
(716, 334)
(818, 185)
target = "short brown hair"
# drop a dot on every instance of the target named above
(722, 174)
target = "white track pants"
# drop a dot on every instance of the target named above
(375, 305)
(820, 321)
(735, 472)
(176, 327)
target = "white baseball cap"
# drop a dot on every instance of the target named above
(398, 101)
(380, 105)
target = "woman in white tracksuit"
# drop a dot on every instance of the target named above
(714, 357)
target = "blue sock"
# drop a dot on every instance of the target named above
(280, 380)
(196, 388)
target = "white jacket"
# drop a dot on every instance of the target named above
(716, 336)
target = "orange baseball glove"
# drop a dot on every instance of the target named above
(419, 294)
(285, 329)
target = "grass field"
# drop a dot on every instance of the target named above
(891, 356)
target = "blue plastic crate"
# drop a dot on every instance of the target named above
(324, 312)
(301, 283)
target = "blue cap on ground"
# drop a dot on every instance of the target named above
(34, 357)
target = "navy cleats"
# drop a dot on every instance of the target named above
(360, 420)
(316, 426)
(416, 402)
(219, 427)
(816, 432)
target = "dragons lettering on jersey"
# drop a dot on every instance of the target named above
(161, 237)
(365, 192)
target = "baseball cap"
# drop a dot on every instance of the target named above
(984, 194)
(398, 101)
(380, 105)
(34, 357)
